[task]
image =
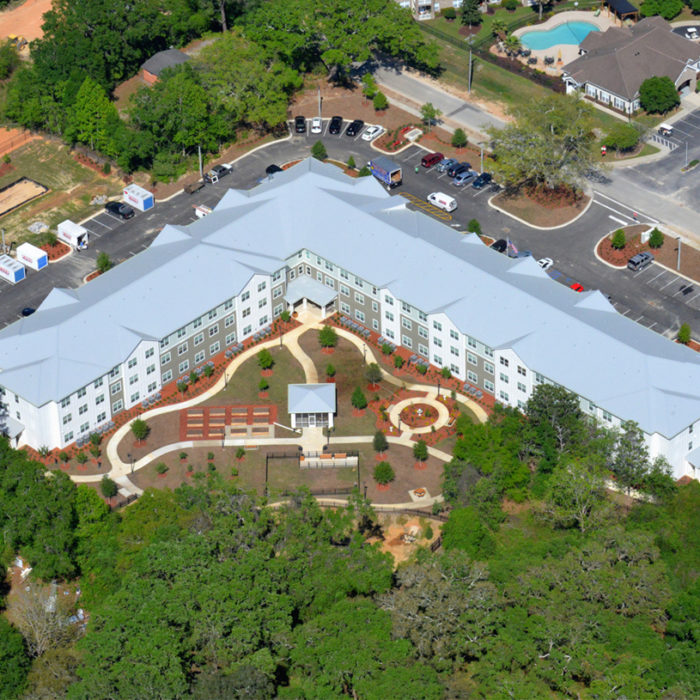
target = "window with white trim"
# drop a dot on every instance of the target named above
(521, 371)
(152, 387)
(65, 402)
(133, 379)
(389, 316)
(84, 427)
(454, 351)
(437, 360)
(183, 366)
(212, 314)
(182, 349)
(277, 292)
(99, 399)
(375, 324)
(504, 361)
(167, 376)
(359, 316)
(423, 332)
(229, 321)
(406, 323)
(165, 358)
(98, 382)
(81, 393)
(437, 342)
(471, 358)
(262, 286)
(135, 397)
(277, 310)
(388, 300)
(345, 291)
(503, 378)
(437, 326)
(454, 335)
(101, 417)
(214, 348)
(245, 296)
(489, 386)
(344, 308)
(389, 333)
(82, 410)
(359, 298)
(472, 376)
(247, 330)
(522, 387)
(115, 388)
(198, 339)
(67, 418)
(68, 436)
(406, 341)
(263, 321)
(197, 323)
(375, 306)
(503, 396)
(454, 369)
(489, 368)
(230, 339)
(262, 302)
(199, 357)
(422, 350)
(215, 329)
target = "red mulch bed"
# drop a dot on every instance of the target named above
(420, 466)
(327, 351)
(266, 372)
(93, 275)
(357, 413)
(6, 168)
(56, 251)
(89, 163)
(632, 247)
(411, 416)
(383, 487)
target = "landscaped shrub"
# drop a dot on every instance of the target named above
(619, 241)
(449, 13)
(161, 467)
(81, 457)
(318, 151)
(285, 316)
(379, 102)
(656, 239)
(459, 138)
(140, 429)
(210, 456)
(428, 532)
(622, 137)
(328, 337)
(474, 227)
(684, 334)
(182, 387)
(358, 399)
(364, 171)
(234, 471)
(265, 360)
(351, 163)
(369, 89)
(386, 349)
(422, 369)
(108, 487)
(240, 453)
(263, 385)
(194, 377)
(420, 451)
(95, 451)
(330, 370)
(379, 442)
(445, 372)
(211, 467)
(510, 5)
(63, 456)
(384, 473)
(398, 361)
(373, 373)
(208, 371)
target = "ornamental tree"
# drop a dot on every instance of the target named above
(328, 337)
(380, 102)
(656, 238)
(140, 429)
(373, 373)
(265, 360)
(684, 334)
(358, 399)
(622, 137)
(384, 473)
(619, 240)
(658, 94)
(379, 442)
(420, 451)
(459, 138)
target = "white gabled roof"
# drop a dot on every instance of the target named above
(311, 398)
(576, 340)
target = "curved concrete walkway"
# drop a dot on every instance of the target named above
(442, 418)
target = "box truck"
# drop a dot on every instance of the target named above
(73, 234)
(11, 270)
(138, 197)
(31, 256)
(386, 171)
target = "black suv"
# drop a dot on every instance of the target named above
(300, 125)
(482, 181)
(123, 211)
(500, 245)
(272, 169)
(458, 168)
(336, 125)
(355, 128)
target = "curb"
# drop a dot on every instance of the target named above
(540, 228)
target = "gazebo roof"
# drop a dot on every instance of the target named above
(311, 398)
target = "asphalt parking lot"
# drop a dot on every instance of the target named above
(653, 303)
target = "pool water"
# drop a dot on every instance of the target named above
(568, 33)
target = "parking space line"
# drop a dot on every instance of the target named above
(673, 279)
(97, 221)
(478, 192)
(663, 272)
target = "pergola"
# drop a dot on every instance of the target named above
(622, 8)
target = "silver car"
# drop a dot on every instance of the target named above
(443, 165)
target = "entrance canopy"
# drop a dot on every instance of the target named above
(304, 287)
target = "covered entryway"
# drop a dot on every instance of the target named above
(311, 405)
(304, 290)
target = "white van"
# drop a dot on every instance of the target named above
(443, 201)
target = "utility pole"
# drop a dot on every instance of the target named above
(469, 77)
(319, 100)
(678, 266)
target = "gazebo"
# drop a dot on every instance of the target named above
(311, 405)
(623, 9)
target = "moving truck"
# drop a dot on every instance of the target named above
(31, 256)
(11, 270)
(386, 171)
(73, 234)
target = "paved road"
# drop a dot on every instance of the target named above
(655, 301)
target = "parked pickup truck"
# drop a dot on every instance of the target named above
(194, 187)
(386, 171)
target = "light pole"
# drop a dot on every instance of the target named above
(438, 388)
(469, 76)
(481, 146)
(131, 459)
(678, 266)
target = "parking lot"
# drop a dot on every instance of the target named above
(687, 130)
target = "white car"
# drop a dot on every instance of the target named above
(691, 33)
(316, 125)
(545, 263)
(371, 132)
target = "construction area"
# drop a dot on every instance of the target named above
(18, 193)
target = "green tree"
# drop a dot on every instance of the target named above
(265, 359)
(668, 9)
(619, 240)
(420, 451)
(684, 334)
(140, 429)
(263, 385)
(622, 137)
(430, 114)
(466, 531)
(512, 42)
(658, 94)
(351, 163)
(471, 12)
(327, 337)
(108, 487)
(384, 473)
(91, 116)
(459, 138)
(656, 238)
(364, 171)
(499, 28)
(358, 399)
(330, 370)
(103, 262)
(551, 143)
(630, 460)
(474, 227)
(373, 373)
(380, 102)
(14, 661)
(379, 442)
(398, 361)
(369, 86)
(555, 415)
(318, 151)
(9, 59)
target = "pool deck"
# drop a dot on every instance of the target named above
(564, 53)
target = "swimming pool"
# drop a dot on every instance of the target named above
(567, 33)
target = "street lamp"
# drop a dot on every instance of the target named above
(131, 459)
(365, 485)
(438, 388)
(678, 266)
(469, 76)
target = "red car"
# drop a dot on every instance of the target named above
(431, 159)
(577, 287)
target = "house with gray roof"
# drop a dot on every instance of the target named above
(615, 63)
(500, 325)
(156, 64)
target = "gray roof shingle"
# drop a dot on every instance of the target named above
(169, 58)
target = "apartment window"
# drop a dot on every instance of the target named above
(389, 333)
(358, 282)
(454, 335)
(437, 360)
(328, 266)
(214, 348)
(150, 369)
(521, 405)
(68, 437)
(437, 342)
(471, 376)
(165, 358)
(504, 361)
(84, 427)
(183, 366)
(375, 306)
(263, 321)
(152, 387)
(437, 326)
(98, 383)
(539, 379)
(101, 417)
(246, 312)
(165, 342)
(359, 316)
(319, 276)
(423, 332)
(133, 379)
(471, 342)
(197, 323)
(215, 329)
(522, 387)
(405, 307)
(375, 324)
(262, 286)
(471, 358)
(261, 303)
(277, 292)
(607, 416)
(489, 386)
(198, 339)
(389, 316)
(199, 357)
(422, 350)
(522, 371)
(65, 403)
(690, 445)
(503, 378)
(230, 320)
(488, 352)
(81, 393)
(167, 376)
(99, 399)
(345, 291)
(135, 397)
(117, 406)
(18, 415)
(344, 308)
(245, 296)
(182, 349)
(690, 430)
(230, 339)
(344, 275)
(277, 275)
(406, 341)
(454, 369)
(503, 396)
(277, 310)
(82, 410)
(228, 304)
(212, 314)
(406, 323)
(247, 330)
(489, 368)
(591, 407)
(181, 333)
(292, 274)
(389, 300)
(359, 298)
(67, 418)
(115, 388)
(423, 317)
(454, 351)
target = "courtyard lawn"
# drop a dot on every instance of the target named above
(286, 475)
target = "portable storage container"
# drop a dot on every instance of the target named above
(11, 270)
(138, 197)
(31, 256)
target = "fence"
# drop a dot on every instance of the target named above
(329, 460)
(667, 143)
(410, 511)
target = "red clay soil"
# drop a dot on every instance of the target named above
(93, 275)
(56, 251)
(24, 20)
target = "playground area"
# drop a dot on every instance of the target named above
(18, 193)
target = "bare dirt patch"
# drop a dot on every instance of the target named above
(19, 193)
(556, 212)
(24, 20)
(402, 535)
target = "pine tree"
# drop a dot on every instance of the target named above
(471, 12)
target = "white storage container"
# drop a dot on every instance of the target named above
(11, 270)
(138, 198)
(31, 256)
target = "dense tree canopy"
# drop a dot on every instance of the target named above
(658, 94)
